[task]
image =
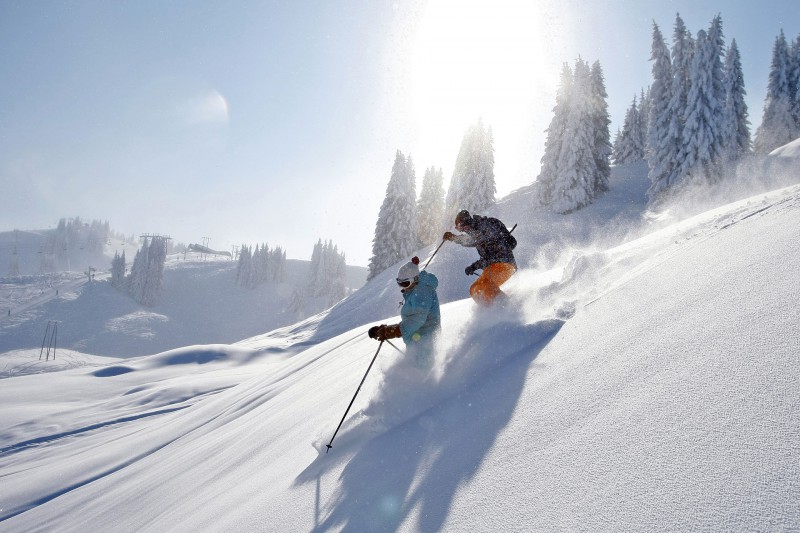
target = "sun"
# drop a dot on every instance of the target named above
(479, 59)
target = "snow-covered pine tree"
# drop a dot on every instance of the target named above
(411, 176)
(682, 52)
(778, 126)
(395, 230)
(315, 283)
(615, 155)
(326, 282)
(735, 124)
(239, 262)
(628, 148)
(278, 265)
(156, 258)
(716, 66)
(118, 270)
(643, 123)
(600, 123)
(663, 142)
(555, 139)
(430, 207)
(701, 132)
(794, 81)
(61, 243)
(297, 303)
(574, 186)
(484, 188)
(138, 276)
(123, 267)
(260, 264)
(336, 274)
(472, 186)
(244, 268)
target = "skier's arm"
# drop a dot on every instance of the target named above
(478, 265)
(412, 322)
(464, 239)
(414, 317)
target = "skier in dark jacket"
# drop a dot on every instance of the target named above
(494, 244)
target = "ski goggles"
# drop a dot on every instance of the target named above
(404, 283)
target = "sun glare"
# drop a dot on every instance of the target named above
(486, 59)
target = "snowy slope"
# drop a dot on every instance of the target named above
(201, 304)
(647, 384)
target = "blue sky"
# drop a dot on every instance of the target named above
(278, 122)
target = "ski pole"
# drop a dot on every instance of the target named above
(330, 444)
(395, 347)
(434, 253)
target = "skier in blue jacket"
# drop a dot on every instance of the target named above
(420, 317)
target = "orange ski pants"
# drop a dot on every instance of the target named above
(487, 287)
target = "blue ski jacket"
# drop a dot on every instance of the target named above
(420, 315)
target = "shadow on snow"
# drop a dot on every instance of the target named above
(421, 462)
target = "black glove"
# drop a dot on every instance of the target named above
(373, 332)
(470, 270)
(384, 332)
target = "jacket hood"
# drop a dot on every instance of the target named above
(428, 279)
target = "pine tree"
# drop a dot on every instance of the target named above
(642, 124)
(662, 140)
(154, 284)
(682, 52)
(118, 270)
(278, 265)
(735, 123)
(484, 188)
(326, 282)
(778, 126)
(395, 230)
(411, 177)
(628, 148)
(430, 207)
(240, 263)
(794, 82)
(555, 139)
(260, 264)
(244, 267)
(336, 274)
(138, 276)
(615, 145)
(575, 184)
(701, 133)
(314, 286)
(472, 186)
(600, 123)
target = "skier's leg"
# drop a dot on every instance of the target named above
(487, 286)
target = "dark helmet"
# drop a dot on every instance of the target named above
(463, 218)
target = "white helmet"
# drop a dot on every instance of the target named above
(408, 273)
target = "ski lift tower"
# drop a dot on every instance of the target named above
(154, 236)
